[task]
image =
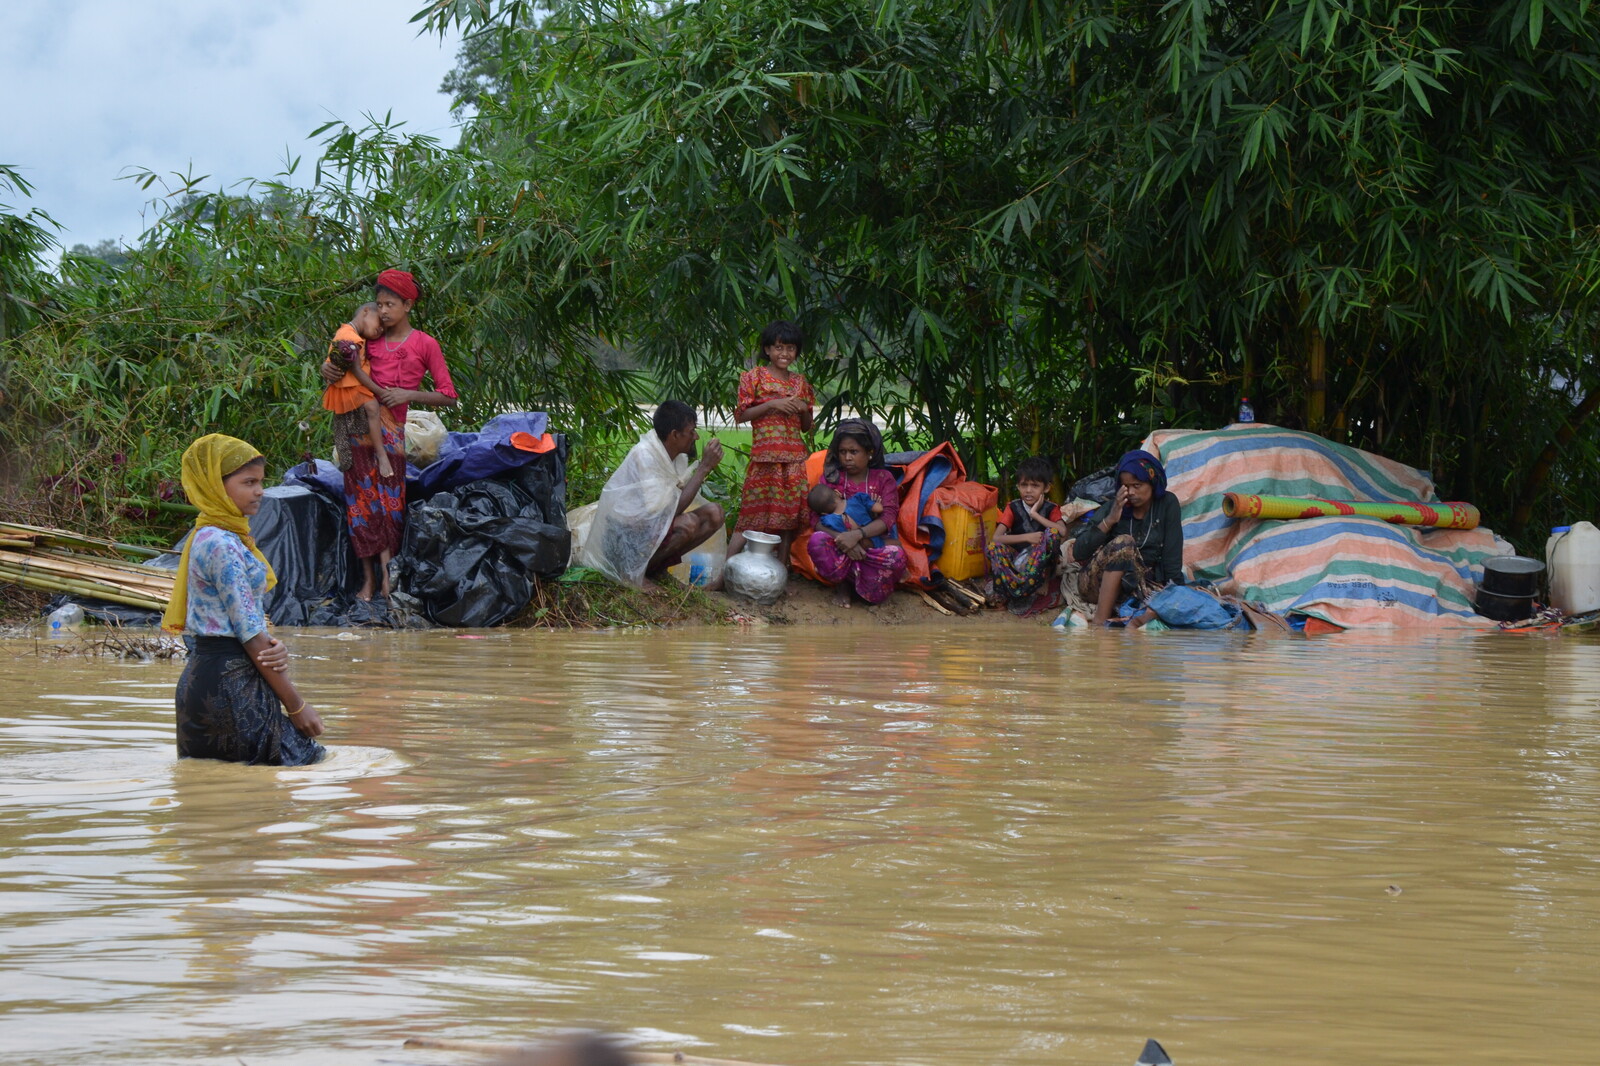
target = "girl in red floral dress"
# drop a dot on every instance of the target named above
(776, 401)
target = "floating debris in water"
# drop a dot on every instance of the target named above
(1153, 1055)
(120, 644)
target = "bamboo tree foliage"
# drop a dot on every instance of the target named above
(1053, 226)
(220, 317)
(25, 238)
(1024, 227)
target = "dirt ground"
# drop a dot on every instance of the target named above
(806, 603)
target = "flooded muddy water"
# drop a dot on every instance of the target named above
(821, 846)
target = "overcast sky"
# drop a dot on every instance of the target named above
(91, 88)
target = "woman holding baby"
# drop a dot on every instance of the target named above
(847, 559)
(400, 359)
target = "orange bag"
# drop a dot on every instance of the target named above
(935, 482)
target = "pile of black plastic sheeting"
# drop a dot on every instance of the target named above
(471, 554)
(480, 529)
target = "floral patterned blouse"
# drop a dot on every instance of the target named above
(774, 438)
(226, 586)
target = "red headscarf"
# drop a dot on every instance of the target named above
(399, 282)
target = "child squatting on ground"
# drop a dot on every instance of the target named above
(838, 514)
(1027, 535)
(353, 398)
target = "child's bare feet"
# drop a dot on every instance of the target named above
(385, 467)
(364, 593)
(841, 595)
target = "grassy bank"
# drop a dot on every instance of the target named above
(585, 599)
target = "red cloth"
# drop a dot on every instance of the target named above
(400, 283)
(1052, 512)
(404, 365)
(774, 497)
(375, 506)
(954, 491)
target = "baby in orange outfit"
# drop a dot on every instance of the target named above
(353, 398)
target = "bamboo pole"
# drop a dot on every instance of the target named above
(159, 505)
(68, 537)
(102, 569)
(155, 582)
(68, 560)
(25, 568)
(63, 581)
(80, 588)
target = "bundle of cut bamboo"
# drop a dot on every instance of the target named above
(59, 560)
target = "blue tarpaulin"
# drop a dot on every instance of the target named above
(463, 458)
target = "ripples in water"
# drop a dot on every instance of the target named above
(887, 846)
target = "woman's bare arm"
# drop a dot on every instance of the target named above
(305, 720)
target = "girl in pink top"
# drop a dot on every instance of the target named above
(401, 358)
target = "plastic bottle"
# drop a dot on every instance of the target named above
(64, 619)
(700, 567)
(1556, 533)
(1247, 411)
(1574, 567)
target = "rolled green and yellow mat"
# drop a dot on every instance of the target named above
(1400, 513)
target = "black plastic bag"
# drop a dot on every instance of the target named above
(304, 536)
(468, 558)
(1099, 486)
(471, 556)
(112, 614)
(466, 562)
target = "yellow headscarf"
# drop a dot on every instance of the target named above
(205, 463)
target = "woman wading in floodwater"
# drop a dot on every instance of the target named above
(235, 701)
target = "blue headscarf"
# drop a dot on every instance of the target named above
(1144, 467)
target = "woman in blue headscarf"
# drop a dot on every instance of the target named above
(1132, 545)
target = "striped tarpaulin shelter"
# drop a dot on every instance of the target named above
(1351, 570)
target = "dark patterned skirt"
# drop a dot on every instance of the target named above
(1119, 554)
(227, 711)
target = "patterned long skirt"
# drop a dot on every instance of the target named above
(1018, 572)
(374, 505)
(873, 578)
(774, 497)
(226, 710)
(1119, 554)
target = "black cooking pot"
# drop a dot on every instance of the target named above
(1511, 576)
(1503, 608)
